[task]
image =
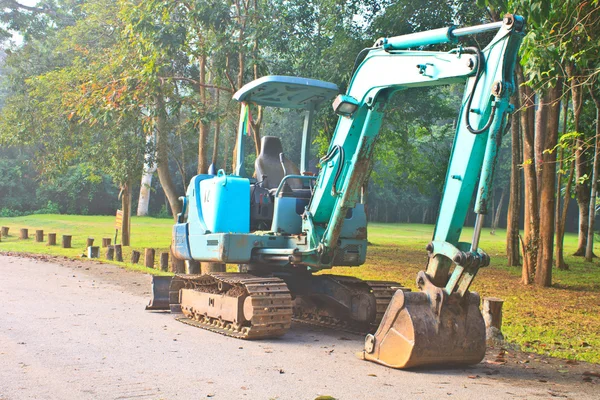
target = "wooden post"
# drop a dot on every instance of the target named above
(110, 253)
(39, 235)
(135, 256)
(149, 258)
(192, 267)
(492, 315)
(24, 233)
(93, 251)
(52, 239)
(177, 265)
(90, 242)
(5, 231)
(105, 242)
(164, 261)
(118, 253)
(66, 241)
(207, 267)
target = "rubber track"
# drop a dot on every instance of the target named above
(383, 292)
(271, 301)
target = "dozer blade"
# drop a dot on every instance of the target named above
(428, 328)
(160, 293)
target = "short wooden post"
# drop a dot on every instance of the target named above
(164, 261)
(39, 235)
(149, 258)
(105, 242)
(5, 231)
(52, 239)
(0, 236)
(492, 315)
(110, 253)
(192, 267)
(93, 251)
(135, 256)
(90, 242)
(66, 241)
(24, 233)
(177, 265)
(118, 253)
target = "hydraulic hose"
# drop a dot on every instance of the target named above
(480, 64)
(335, 149)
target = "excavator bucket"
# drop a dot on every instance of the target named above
(160, 293)
(428, 328)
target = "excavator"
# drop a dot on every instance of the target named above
(283, 224)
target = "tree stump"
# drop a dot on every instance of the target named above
(192, 267)
(5, 231)
(39, 235)
(52, 239)
(66, 241)
(135, 256)
(93, 251)
(149, 258)
(24, 234)
(90, 242)
(105, 242)
(118, 253)
(110, 253)
(177, 265)
(164, 261)
(492, 315)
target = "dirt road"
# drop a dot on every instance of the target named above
(78, 330)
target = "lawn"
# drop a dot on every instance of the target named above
(562, 321)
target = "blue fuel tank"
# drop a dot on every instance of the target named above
(225, 202)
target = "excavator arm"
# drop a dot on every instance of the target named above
(388, 67)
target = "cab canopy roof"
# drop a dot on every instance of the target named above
(287, 92)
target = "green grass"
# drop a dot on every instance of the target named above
(145, 232)
(561, 321)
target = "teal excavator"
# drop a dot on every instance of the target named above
(282, 224)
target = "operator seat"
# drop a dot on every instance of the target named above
(268, 164)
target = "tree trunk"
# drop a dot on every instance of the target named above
(543, 274)
(146, 184)
(498, 210)
(204, 123)
(162, 157)
(514, 204)
(215, 153)
(541, 124)
(531, 223)
(560, 227)
(126, 207)
(582, 190)
(589, 250)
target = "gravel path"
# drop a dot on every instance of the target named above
(78, 330)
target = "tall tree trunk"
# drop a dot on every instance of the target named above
(146, 184)
(217, 132)
(204, 123)
(126, 207)
(560, 226)
(531, 223)
(541, 124)
(514, 203)
(498, 211)
(582, 190)
(162, 157)
(543, 274)
(589, 250)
